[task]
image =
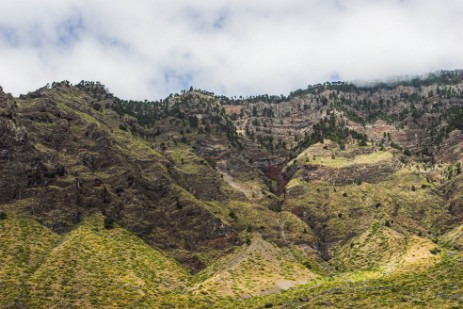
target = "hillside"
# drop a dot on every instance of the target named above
(199, 200)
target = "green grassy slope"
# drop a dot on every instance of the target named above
(24, 244)
(384, 249)
(439, 286)
(256, 268)
(98, 267)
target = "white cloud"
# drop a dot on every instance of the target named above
(147, 49)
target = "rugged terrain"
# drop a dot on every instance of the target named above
(333, 196)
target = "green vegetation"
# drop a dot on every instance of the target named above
(333, 196)
(94, 266)
(334, 130)
(341, 162)
(412, 289)
(23, 247)
(253, 269)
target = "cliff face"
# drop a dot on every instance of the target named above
(200, 178)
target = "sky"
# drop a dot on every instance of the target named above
(147, 49)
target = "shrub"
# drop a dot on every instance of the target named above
(232, 215)
(97, 106)
(363, 143)
(108, 223)
(307, 264)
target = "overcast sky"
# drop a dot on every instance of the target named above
(146, 49)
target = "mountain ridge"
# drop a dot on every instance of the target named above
(207, 181)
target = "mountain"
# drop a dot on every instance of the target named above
(199, 200)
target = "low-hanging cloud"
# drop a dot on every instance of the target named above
(146, 49)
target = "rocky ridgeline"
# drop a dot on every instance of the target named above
(295, 185)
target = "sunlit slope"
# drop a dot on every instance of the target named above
(258, 267)
(24, 245)
(95, 266)
(383, 249)
(438, 286)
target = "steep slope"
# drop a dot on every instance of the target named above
(24, 244)
(339, 193)
(78, 151)
(256, 268)
(94, 266)
(74, 156)
(438, 286)
(344, 188)
(418, 115)
(454, 238)
(454, 192)
(384, 249)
